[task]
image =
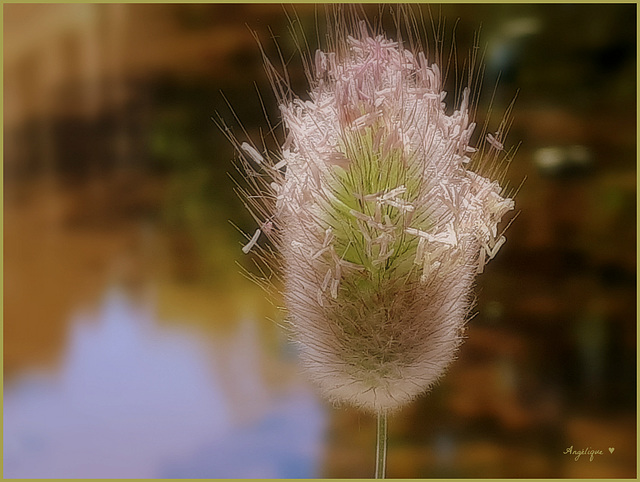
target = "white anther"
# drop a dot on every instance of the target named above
(247, 247)
(255, 155)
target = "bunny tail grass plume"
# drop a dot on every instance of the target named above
(379, 223)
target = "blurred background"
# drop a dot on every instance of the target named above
(134, 348)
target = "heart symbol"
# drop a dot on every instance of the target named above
(611, 449)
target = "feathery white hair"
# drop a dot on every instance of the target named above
(379, 223)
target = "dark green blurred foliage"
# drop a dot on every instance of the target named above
(184, 144)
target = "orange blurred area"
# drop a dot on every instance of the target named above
(133, 345)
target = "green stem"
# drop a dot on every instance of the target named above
(381, 445)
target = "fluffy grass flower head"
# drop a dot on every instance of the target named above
(379, 222)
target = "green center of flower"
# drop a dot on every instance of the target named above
(372, 202)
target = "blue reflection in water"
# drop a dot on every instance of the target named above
(136, 400)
